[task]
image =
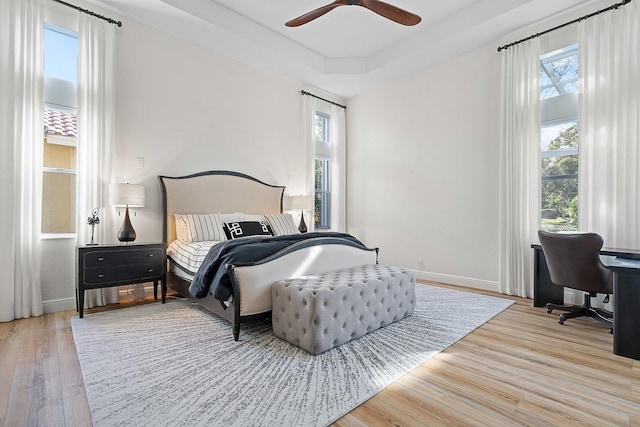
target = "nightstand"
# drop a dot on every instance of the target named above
(104, 266)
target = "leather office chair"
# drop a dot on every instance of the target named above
(573, 260)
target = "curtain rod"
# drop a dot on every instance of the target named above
(89, 12)
(304, 92)
(613, 6)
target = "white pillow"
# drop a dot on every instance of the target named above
(252, 217)
(199, 228)
(231, 217)
(282, 224)
(182, 232)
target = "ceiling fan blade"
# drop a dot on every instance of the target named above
(391, 12)
(310, 16)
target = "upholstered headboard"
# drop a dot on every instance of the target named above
(213, 192)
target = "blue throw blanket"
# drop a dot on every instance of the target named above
(212, 278)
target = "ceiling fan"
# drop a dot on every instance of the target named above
(381, 8)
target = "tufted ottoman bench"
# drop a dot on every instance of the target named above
(322, 311)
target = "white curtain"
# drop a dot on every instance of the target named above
(21, 148)
(519, 213)
(308, 152)
(609, 97)
(96, 67)
(338, 169)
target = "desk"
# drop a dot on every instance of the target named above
(626, 299)
(545, 291)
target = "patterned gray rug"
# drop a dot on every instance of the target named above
(177, 365)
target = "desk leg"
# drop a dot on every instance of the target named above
(626, 316)
(544, 290)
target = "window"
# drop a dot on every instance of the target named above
(59, 165)
(559, 72)
(322, 209)
(322, 127)
(559, 139)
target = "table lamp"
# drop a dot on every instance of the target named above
(303, 203)
(127, 195)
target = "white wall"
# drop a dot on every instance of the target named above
(183, 110)
(423, 163)
(423, 170)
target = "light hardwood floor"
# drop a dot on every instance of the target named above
(520, 368)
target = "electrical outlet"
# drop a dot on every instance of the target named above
(420, 266)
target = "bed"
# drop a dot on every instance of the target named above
(240, 289)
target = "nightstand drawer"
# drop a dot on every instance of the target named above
(126, 273)
(123, 257)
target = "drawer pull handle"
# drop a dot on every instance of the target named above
(151, 270)
(101, 276)
(101, 258)
(150, 255)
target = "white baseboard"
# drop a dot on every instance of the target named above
(61, 304)
(569, 298)
(486, 285)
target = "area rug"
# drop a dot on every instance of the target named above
(176, 364)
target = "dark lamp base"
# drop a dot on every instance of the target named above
(303, 226)
(127, 233)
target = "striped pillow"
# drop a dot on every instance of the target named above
(199, 228)
(282, 224)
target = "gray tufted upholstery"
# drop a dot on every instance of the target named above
(322, 311)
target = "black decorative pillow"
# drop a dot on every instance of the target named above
(234, 230)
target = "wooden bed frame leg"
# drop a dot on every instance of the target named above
(236, 331)
(236, 301)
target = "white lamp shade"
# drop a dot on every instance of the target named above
(121, 194)
(304, 203)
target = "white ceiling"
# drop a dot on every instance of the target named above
(348, 51)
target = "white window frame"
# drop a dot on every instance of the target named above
(323, 154)
(62, 96)
(557, 110)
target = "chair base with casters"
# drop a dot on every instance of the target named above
(584, 310)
